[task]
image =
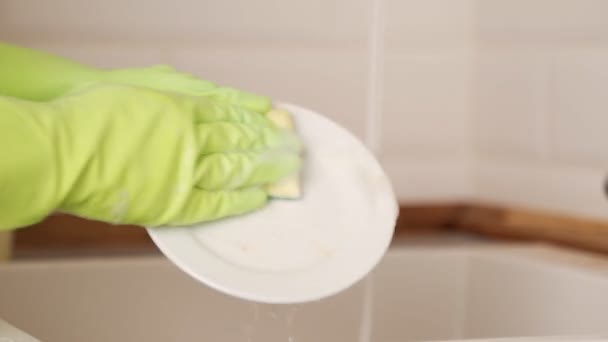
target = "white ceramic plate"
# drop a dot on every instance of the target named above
(301, 250)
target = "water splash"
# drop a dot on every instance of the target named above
(250, 329)
(277, 320)
(290, 315)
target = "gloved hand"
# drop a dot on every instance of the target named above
(39, 76)
(136, 156)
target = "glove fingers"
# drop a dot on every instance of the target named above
(209, 110)
(238, 170)
(249, 101)
(205, 206)
(222, 137)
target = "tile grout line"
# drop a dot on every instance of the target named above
(373, 130)
(367, 310)
(373, 127)
(543, 82)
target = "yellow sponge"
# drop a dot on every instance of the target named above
(289, 187)
(281, 118)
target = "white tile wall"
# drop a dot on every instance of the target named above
(545, 186)
(430, 24)
(202, 22)
(426, 133)
(510, 91)
(579, 103)
(542, 22)
(420, 177)
(427, 105)
(427, 102)
(541, 103)
(545, 104)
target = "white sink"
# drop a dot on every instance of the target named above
(417, 293)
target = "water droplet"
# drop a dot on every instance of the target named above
(280, 318)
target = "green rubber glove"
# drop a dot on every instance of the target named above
(38, 76)
(132, 155)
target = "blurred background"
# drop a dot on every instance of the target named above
(490, 117)
(467, 103)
